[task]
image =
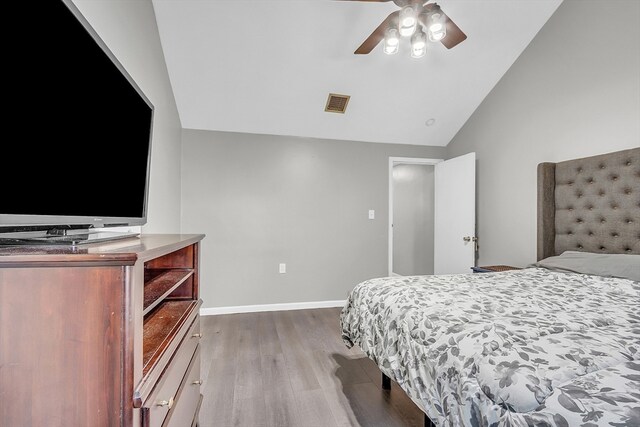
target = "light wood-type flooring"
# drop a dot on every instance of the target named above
(291, 368)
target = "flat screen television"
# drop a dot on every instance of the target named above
(79, 158)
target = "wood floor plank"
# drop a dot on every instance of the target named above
(371, 369)
(333, 370)
(331, 320)
(223, 331)
(291, 369)
(349, 369)
(248, 413)
(308, 323)
(248, 380)
(215, 341)
(298, 363)
(216, 409)
(341, 408)
(268, 335)
(248, 408)
(369, 406)
(280, 401)
(314, 409)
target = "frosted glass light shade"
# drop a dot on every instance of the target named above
(436, 27)
(408, 22)
(418, 44)
(391, 41)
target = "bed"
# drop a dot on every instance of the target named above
(553, 344)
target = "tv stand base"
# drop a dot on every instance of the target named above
(63, 238)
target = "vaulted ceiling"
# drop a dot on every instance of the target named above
(267, 66)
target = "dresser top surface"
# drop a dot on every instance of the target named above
(124, 251)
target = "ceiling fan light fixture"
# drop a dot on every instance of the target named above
(418, 44)
(407, 22)
(391, 41)
(391, 37)
(411, 16)
(436, 27)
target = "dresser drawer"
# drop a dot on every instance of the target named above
(188, 397)
(164, 395)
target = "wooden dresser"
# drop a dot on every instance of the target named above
(105, 334)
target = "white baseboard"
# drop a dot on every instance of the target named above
(209, 311)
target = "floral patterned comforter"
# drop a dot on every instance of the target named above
(530, 347)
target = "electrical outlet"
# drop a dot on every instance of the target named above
(282, 268)
(372, 214)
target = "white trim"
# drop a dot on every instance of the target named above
(396, 161)
(414, 160)
(210, 311)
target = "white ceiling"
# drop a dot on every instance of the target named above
(267, 66)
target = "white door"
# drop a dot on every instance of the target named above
(455, 215)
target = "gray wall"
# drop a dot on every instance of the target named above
(572, 93)
(413, 197)
(129, 29)
(263, 200)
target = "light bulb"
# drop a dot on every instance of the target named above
(418, 53)
(407, 17)
(437, 29)
(390, 50)
(391, 41)
(436, 37)
(408, 22)
(391, 37)
(418, 44)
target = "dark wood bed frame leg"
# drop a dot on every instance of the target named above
(386, 382)
(428, 422)
(386, 385)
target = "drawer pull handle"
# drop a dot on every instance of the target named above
(197, 382)
(168, 403)
(198, 335)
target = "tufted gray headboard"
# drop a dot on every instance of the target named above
(590, 204)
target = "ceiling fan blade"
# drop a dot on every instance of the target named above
(454, 34)
(378, 34)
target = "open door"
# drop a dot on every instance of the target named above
(455, 215)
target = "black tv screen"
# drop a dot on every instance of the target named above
(80, 154)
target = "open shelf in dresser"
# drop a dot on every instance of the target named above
(170, 337)
(160, 285)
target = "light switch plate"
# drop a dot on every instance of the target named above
(282, 268)
(372, 214)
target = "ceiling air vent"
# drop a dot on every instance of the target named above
(336, 103)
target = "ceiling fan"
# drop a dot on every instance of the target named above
(413, 18)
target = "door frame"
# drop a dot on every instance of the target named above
(397, 161)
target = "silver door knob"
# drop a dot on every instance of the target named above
(167, 403)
